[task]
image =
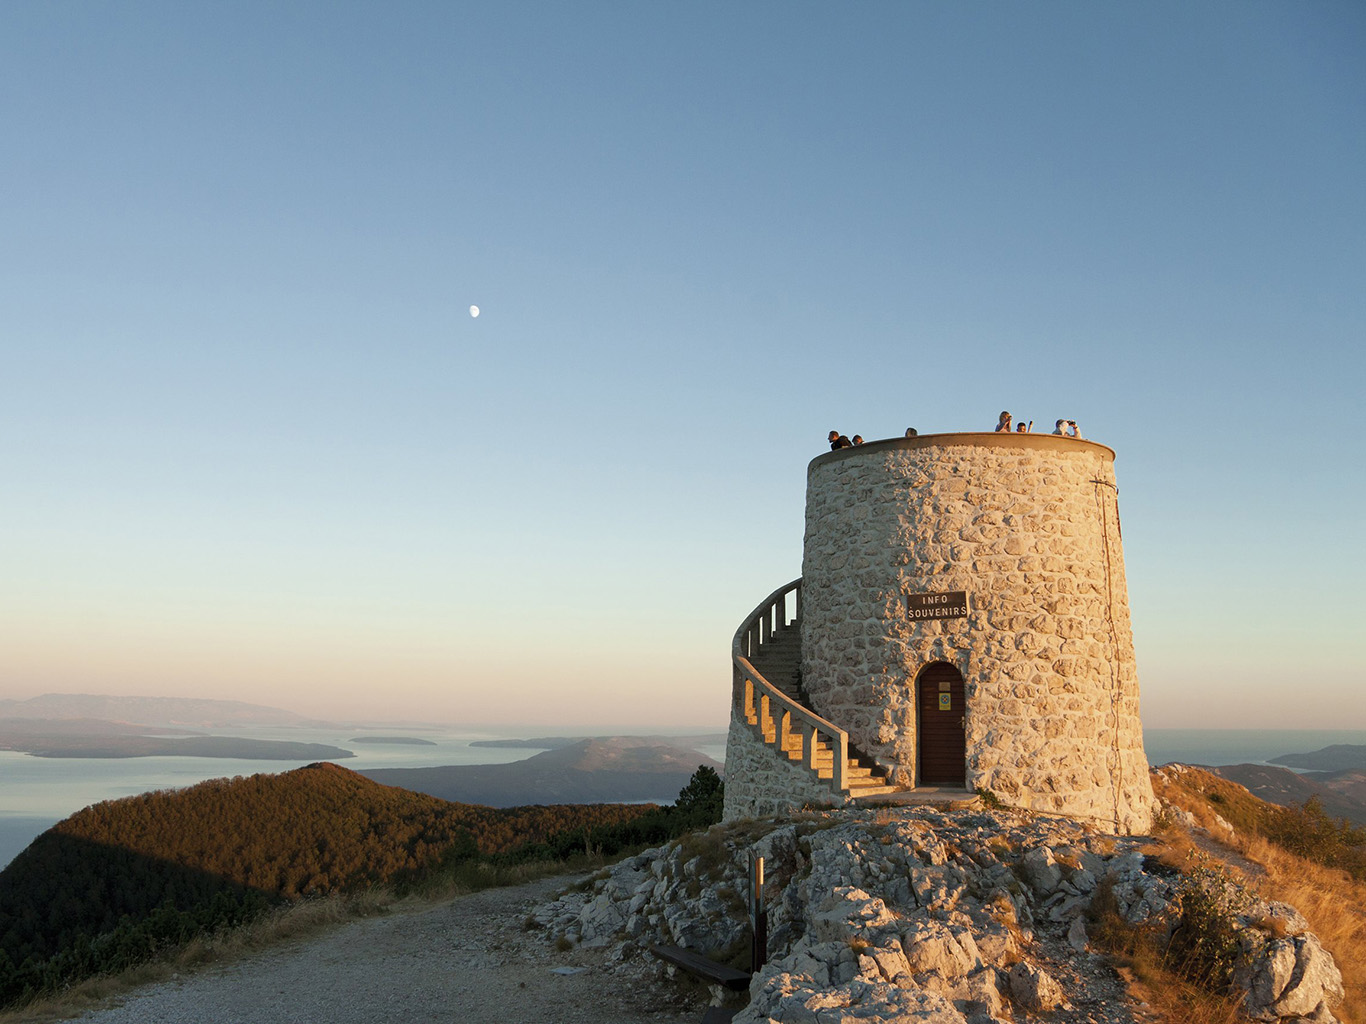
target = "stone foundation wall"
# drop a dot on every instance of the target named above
(761, 782)
(1028, 527)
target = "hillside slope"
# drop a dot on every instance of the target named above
(1336, 791)
(101, 888)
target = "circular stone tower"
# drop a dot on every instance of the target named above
(965, 619)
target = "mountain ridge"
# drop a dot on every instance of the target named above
(1335, 791)
(587, 771)
(196, 712)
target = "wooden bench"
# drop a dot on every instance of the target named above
(701, 967)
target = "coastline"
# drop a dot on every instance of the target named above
(39, 792)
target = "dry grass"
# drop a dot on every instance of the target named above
(475, 876)
(1330, 900)
(1209, 798)
(1140, 961)
(1335, 907)
(1173, 1000)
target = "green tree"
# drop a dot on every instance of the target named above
(699, 802)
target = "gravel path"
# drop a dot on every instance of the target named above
(464, 960)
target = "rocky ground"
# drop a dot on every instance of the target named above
(883, 916)
(965, 917)
(468, 959)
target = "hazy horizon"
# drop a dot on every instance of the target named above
(40, 791)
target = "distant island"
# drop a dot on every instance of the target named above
(613, 770)
(710, 739)
(104, 745)
(86, 725)
(541, 743)
(1337, 758)
(411, 741)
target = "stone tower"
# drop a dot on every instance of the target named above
(964, 620)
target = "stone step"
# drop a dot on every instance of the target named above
(859, 779)
(779, 660)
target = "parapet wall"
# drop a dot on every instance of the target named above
(1027, 527)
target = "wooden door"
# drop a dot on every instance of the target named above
(941, 740)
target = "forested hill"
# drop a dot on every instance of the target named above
(214, 852)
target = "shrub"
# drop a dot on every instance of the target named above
(1204, 948)
(990, 799)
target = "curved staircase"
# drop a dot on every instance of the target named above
(768, 694)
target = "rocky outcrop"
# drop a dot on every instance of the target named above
(969, 917)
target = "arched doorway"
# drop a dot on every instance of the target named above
(941, 739)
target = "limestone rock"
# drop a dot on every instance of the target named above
(1041, 870)
(789, 1000)
(932, 946)
(1291, 977)
(1076, 934)
(918, 915)
(1034, 989)
(849, 912)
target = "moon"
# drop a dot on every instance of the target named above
(474, 311)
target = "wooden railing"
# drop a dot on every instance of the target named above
(777, 719)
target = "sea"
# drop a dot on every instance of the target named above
(37, 792)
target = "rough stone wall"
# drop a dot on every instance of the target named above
(1028, 526)
(761, 782)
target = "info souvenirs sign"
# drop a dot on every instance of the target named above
(952, 604)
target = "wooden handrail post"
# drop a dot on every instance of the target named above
(840, 745)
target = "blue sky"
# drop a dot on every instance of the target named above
(254, 445)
